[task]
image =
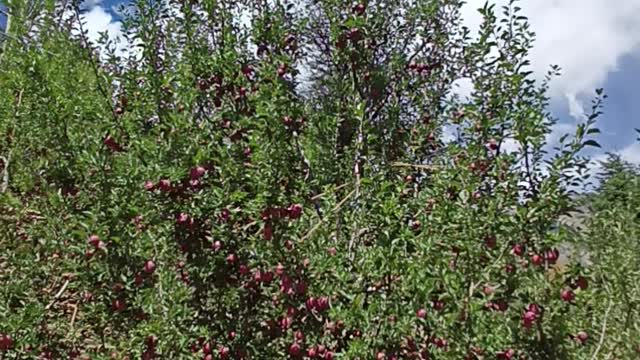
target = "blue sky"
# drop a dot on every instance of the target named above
(596, 43)
(3, 18)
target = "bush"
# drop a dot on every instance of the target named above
(277, 180)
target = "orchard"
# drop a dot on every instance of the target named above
(298, 180)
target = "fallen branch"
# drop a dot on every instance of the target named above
(57, 295)
(73, 316)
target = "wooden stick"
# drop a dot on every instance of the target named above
(417, 166)
(604, 330)
(57, 295)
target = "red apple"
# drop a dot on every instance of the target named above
(528, 318)
(94, 240)
(518, 249)
(322, 303)
(6, 342)
(582, 337)
(149, 185)
(421, 313)
(164, 185)
(536, 259)
(118, 305)
(567, 295)
(149, 267)
(295, 211)
(197, 172)
(359, 9)
(223, 352)
(582, 283)
(294, 350)
(217, 245)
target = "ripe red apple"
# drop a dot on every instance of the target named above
(118, 305)
(164, 185)
(243, 269)
(182, 219)
(506, 354)
(280, 269)
(111, 144)
(6, 342)
(328, 355)
(197, 172)
(282, 70)
(217, 245)
(206, 348)
(94, 240)
(421, 313)
(322, 303)
(534, 308)
(567, 295)
(415, 225)
(225, 215)
(223, 352)
(354, 34)
(536, 260)
(151, 341)
(231, 259)
(267, 276)
(312, 352)
(528, 318)
(551, 256)
(295, 211)
(149, 267)
(582, 283)
(247, 70)
(518, 249)
(359, 9)
(267, 231)
(310, 303)
(509, 268)
(149, 185)
(294, 350)
(492, 144)
(490, 241)
(582, 337)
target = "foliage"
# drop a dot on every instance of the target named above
(265, 180)
(611, 239)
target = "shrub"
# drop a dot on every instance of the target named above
(273, 180)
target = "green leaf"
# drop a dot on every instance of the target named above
(591, 143)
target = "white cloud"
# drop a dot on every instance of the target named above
(631, 153)
(97, 20)
(586, 38)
